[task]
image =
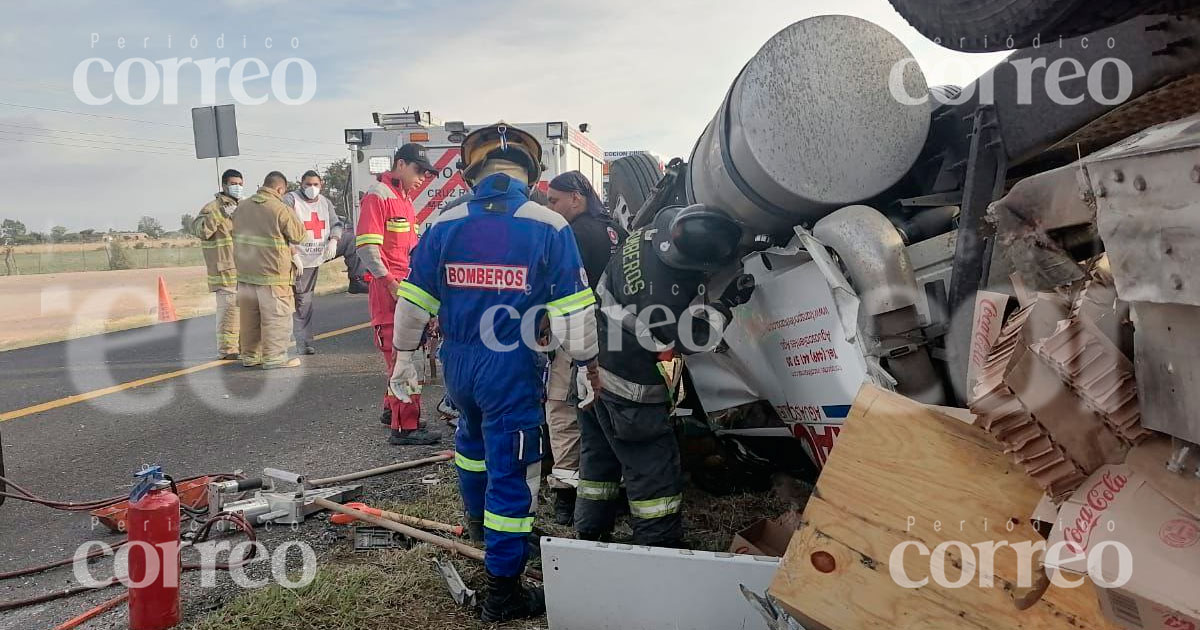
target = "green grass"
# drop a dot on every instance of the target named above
(400, 590)
(68, 260)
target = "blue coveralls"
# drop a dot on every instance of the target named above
(482, 267)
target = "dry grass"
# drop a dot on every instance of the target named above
(401, 590)
(49, 248)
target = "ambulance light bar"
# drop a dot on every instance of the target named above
(396, 120)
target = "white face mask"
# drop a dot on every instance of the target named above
(234, 190)
(312, 191)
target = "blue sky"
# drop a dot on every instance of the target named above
(645, 75)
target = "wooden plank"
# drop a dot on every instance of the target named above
(901, 472)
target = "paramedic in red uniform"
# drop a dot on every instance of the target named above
(386, 233)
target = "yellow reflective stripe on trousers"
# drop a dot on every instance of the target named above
(499, 523)
(216, 242)
(571, 303)
(368, 239)
(655, 508)
(264, 280)
(468, 464)
(224, 279)
(418, 296)
(260, 241)
(598, 490)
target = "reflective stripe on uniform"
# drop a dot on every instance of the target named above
(571, 303)
(223, 279)
(368, 239)
(633, 392)
(468, 464)
(499, 523)
(398, 226)
(260, 241)
(216, 242)
(598, 490)
(418, 296)
(264, 280)
(655, 508)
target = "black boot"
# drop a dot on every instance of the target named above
(508, 599)
(385, 418)
(414, 437)
(475, 530)
(604, 537)
(564, 506)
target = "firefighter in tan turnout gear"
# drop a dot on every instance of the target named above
(214, 227)
(264, 231)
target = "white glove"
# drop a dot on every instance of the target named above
(421, 363)
(331, 249)
(583, 388)
(404, 382)
(298, 263)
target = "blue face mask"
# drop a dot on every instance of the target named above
(234, 190)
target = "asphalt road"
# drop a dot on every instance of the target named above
(320, 419)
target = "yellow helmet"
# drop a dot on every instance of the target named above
(501, 141)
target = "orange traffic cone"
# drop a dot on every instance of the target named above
(166, 308)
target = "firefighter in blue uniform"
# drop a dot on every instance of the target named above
(491, 270)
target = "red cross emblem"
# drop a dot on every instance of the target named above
(315, 225)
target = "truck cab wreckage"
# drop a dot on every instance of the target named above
(1019, 246)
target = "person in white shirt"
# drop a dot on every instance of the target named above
(324, 229)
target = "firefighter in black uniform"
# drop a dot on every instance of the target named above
(598, 236)
(646, 297)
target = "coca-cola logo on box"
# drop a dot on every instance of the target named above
(1099, 498)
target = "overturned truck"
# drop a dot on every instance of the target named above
(876, 208)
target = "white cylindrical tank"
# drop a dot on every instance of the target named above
(811, 124)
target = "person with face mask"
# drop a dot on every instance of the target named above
(385, 235)
(214, 227)
(265, 233)
(324, 229)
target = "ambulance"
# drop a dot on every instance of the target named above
(564, 148)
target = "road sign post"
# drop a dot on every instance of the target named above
(215, 132)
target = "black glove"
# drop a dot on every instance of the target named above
(738, 292)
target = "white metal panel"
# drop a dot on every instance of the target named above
(597, 586)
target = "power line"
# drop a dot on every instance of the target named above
(284, 153)
(159, 122)
(97, 144)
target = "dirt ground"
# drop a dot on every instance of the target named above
(43, 308)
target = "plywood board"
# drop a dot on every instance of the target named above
(902, 472)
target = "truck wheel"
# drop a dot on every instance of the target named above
(630, 180)
(986, 25)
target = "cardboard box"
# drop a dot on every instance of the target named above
(766, 537)
(1117, 505)
(990, 311)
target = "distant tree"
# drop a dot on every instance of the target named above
(150, 227)
(185, 222)
(87, 235)
(35, 237)
(337, 182)
(13, 229)
(118, 255)
(57, 232)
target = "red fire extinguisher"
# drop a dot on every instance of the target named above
(153, 522)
